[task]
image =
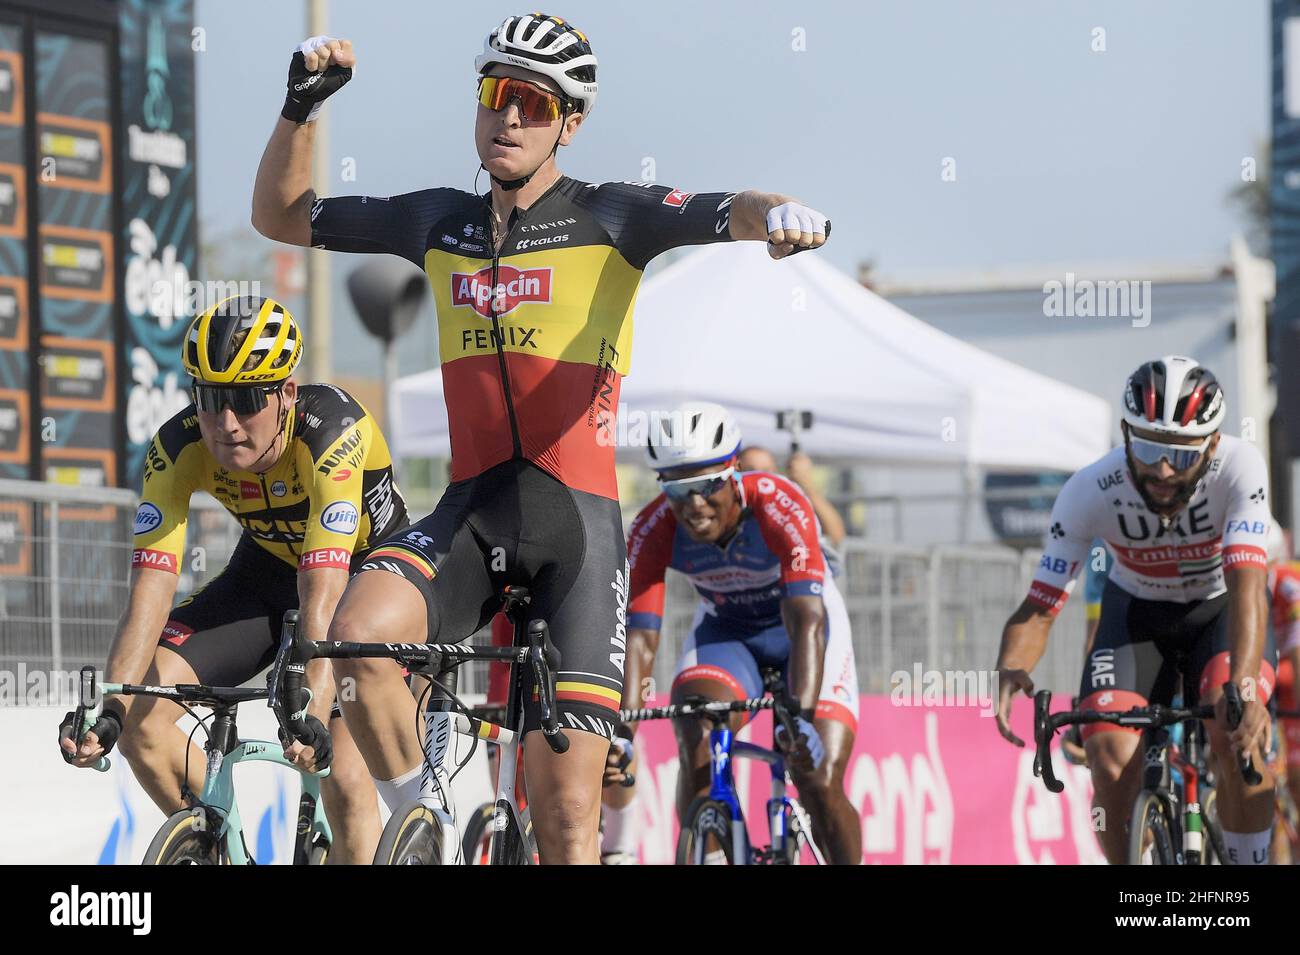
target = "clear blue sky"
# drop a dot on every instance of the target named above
(1063, 155)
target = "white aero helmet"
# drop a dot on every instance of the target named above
(1276, 544)
(546, 45)
(1174, 396)
(692, 434)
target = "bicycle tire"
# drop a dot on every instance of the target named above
(1216, 854)
(476, 843)
(1149, 815)
(179, 842)
(705, 818)
(413, 836)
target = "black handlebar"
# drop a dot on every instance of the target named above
(1043, 733)
(288, 697)
(545, 659)
(285, 692)
(1046, 724)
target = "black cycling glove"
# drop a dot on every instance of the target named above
(308, 90)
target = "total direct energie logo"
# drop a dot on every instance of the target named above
(514, 287)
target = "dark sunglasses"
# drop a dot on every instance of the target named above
(242, 399)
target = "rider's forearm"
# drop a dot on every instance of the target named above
(1247, 616)
(642, 645)
(805, 622)
(1024, 638)
(139, 628)
(749, 213)
(282, 192)
(319, 591)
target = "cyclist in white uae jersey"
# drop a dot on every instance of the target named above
(1184, 509)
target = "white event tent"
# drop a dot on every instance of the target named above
(728, 324)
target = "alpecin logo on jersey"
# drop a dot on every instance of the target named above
(514, 287)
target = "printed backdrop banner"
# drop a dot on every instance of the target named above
(931, 785)
(158, 198)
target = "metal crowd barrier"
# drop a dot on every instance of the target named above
(65, 558)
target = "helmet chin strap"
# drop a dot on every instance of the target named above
(284, 416)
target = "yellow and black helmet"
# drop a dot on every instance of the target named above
(243, 340)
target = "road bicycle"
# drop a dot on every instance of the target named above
(1174, 819)
(716, 822)
(424, 831)
(210, 831)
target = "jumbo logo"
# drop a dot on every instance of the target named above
(514, 287)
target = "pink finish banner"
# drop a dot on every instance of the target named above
(932, 785)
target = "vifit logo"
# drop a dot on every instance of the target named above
(514, 288)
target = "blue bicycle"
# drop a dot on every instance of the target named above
(715, 822)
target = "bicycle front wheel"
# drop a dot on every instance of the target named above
(706, 832)
(413, 836)
(476, 844)
(1149, 829)
(183, 840)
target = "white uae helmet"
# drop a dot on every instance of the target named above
(1174, 396)
(692, 434)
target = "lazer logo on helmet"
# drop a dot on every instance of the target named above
(340, 517)
(514, 287)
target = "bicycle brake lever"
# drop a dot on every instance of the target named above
(1236, 709)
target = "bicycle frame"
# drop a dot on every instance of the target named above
(723, 748)
(218, 796)
(441, 721)
(1159, 755)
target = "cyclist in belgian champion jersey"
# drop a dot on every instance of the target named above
(534, 284)
(306, 472)
(1183, 508)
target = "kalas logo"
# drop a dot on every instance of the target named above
(514, 287)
